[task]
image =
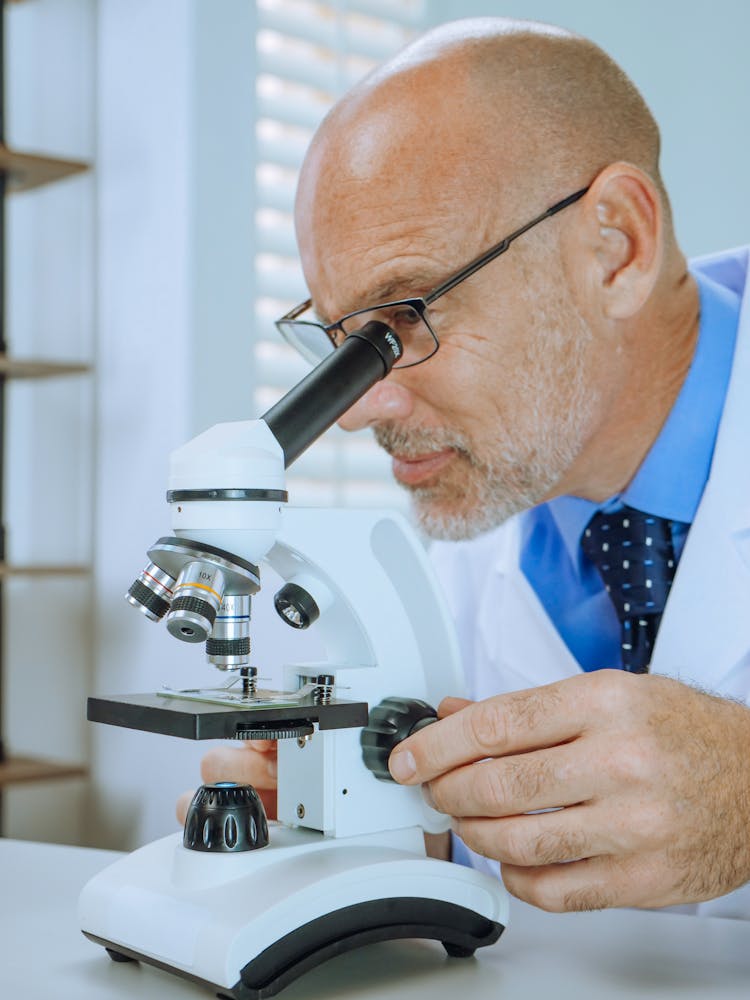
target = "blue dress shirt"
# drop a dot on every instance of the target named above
(669, 483)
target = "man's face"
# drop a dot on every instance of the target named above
(491, 423)
(502, 422)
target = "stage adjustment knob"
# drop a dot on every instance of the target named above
(225, 818)
(390, 722)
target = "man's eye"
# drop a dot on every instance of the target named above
(406, 317)
(400, 318)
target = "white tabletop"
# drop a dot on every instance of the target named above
(612, 954)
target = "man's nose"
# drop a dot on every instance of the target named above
(387, 400)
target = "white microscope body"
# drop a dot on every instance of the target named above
(345, 864)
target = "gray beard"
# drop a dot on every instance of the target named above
(492, 492)
(520, 466)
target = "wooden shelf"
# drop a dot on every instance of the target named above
(23, 770)
(37, 368)
(25, 171)
(7, 570)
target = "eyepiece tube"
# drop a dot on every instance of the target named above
(314, 404)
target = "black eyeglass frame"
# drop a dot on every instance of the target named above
(420, 304)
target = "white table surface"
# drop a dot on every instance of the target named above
(607, 955)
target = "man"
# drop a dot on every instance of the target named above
(582, 413)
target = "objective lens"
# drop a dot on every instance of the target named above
(198, 594)
(229, 645)
(152, 592)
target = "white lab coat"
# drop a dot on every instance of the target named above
(508, 642)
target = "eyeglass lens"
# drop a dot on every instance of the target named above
(406, 321)
(404, 318)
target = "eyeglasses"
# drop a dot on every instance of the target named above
(407, 318)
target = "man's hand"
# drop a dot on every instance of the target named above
(649, 780)
(253, 763)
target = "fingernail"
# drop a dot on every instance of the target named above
(273, 767)
(402, 765)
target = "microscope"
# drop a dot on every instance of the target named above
(236, 903)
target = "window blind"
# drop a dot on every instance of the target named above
(308, 54)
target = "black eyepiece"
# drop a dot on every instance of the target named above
(317, 402)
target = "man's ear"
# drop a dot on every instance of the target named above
(622, 239)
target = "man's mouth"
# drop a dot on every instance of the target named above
(416, 470)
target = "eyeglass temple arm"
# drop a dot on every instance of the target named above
(302, 308)
(297, 311)
(500, 248)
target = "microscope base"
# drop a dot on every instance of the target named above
(247, 925)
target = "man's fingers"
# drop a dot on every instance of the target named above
(590, 884)
(182, 806)
(266, 796)
(247, 765)
(506, 786)
(253, 763)
(449, 706)
(510, 723)
(538, 839)
(594, 883)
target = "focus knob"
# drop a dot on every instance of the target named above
(390, 722)
(225, 818)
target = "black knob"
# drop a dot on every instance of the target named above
(390, 722)
(225, 818)
(295, 606)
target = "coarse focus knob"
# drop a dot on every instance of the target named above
(225, 818)
(391, 722)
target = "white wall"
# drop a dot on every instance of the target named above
(50, 70)
(690, 61)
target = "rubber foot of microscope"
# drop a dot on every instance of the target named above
(456, 950)
(117, 956)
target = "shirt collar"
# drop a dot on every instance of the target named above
(672, 477)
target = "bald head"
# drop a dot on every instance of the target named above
(554, 96)
(467, 123)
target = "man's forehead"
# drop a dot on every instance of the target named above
(403, 280)
(382, 246)
(397, 235)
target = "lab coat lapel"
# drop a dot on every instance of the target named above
(520, 647)
(705, 632)
(704, 636)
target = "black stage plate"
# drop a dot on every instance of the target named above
(194, 720)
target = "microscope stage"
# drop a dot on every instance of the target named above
(191, 719)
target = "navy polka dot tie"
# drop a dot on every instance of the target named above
(634, 555)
